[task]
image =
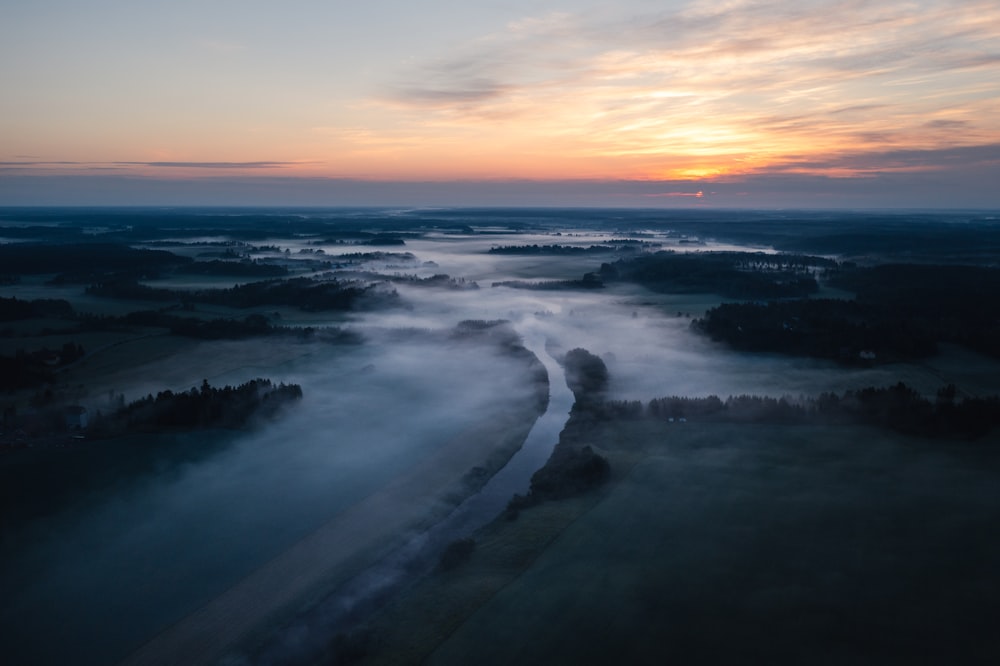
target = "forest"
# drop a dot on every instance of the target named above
(619, 246)
(900, 311)
(76, 259)
(752, 275)
(307, 294)
(203, 407)
(898, 407)
(31, 368)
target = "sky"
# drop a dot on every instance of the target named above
(741, 103)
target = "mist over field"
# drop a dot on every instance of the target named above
(190, 532)
(393, 333)
(421, 400)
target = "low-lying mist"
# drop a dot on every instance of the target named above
(369, 413)
(113, 572)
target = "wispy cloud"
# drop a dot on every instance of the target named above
(468, 91)
(904, 160)
(723, 87)
(214, 165)
(36, 164)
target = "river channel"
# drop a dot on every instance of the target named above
(348, 606)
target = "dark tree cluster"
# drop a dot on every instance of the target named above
(569, 471)
(82, 258)
(896, 407)
(356, 237)
(731, 274)
(742, 408)
(386, 240)
(901, 311)
(586, 375)
(440, 281)
(904, 410)
(589, 281)
(612, 410)
(841, 330)
(244, 268)
(127, 287)
(14, 309)
(30, 369)
(304, 293)
(499, 330)
(375, 256)
(951, 303)
(911, 235)
(254, 325)
(564, 250)
(205, 407)
(311, 295)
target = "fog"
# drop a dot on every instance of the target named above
(185, 536)
(371, 414)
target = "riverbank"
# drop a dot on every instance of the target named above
(425, 616)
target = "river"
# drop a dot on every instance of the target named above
(352, 603)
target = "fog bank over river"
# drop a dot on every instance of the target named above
(374, 453)
(186, 535)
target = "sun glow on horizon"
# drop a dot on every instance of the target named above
(693, 91)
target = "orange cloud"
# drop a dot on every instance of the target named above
(711, 92)
(714, 91)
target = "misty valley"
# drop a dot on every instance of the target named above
(495, 436)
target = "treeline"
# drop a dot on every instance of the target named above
(567, 250)
(236, 267)
(242, 268)
(354, 237)
(304, 293)
(845, 331)
(569, 471)
(589, 281)
(951, 303)
(901, 311)
(499, 331)
(731, 274)
(374, 256)
(204, 407)
(440, 281)
(82, 258)
(254, 325)
(897, 407)
(14, 309)
(30, 369)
